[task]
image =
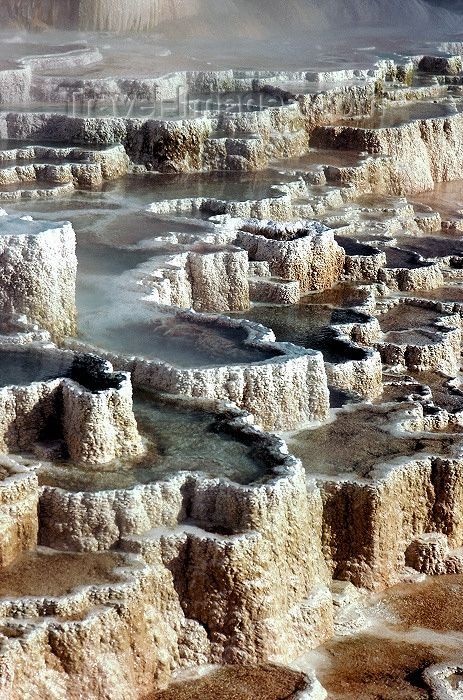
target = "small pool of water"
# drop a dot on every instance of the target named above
(419, 337)
(24, 366)
(343, 295)
(446, 198)
(403, 317)
(183, 343)
(432, 246)
(387, 660)
(317, 157)
(353, 247)
(228, 186)
(265, 682)
(443, 395)
(308, 325)
(178, 438)
(30, 186)
(402, 259)
(450, 293)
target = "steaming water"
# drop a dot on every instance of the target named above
(308, 325)
(21, 367)
(229, 33)
(250, 17)
(110, 314)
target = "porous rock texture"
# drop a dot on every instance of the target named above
(208, 279)
(18, 511)
(168, 608)
(99, 427)
(38, 273)
(305, 252)
(206, 570)
(407, 505)
(235, 141)
(421, 153)
(83, 168)
(96, 423)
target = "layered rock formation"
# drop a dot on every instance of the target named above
(157, 561)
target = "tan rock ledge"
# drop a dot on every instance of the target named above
(286, 201)
(209, 278)
(98, 599)
(406, 271)
(206, 535)
(18, 510)
(363, 262)
(419, 336)
(423, 152)
(38, 171)
(304, 251)
(241, 141)
(395, 486)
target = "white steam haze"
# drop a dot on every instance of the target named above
(253, 18)
(149, 36)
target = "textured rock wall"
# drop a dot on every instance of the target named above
(99, 427)
(25, 412)
(225, 582)
(96, 426)
(368, 527)
(219, 281)
(18, 512)
(136, 629)
(207, 280)
(309, 256)
(362, 377)
(282, 392)
(422, 152)
(245, 17)
(15, 86)
(38, 273)
(239, 141)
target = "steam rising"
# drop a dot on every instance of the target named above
(251, 18)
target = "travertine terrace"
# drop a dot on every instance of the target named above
(231, 393)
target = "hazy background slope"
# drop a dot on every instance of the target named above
(207, 17)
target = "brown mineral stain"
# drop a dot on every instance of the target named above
(238, 683)
(43, 574)
(433, 604)
(377, 668)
